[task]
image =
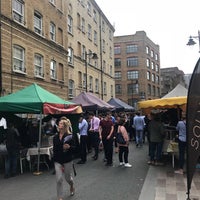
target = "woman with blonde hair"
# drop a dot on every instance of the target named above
(63, 145)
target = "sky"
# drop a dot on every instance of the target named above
(168, 23)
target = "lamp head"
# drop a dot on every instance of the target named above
(191, 41)
(94, 56)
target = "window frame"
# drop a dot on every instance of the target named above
(38, 67)
(19, 60)
(18, 15)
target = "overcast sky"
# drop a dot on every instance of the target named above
(168, 23)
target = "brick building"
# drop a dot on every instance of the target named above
(137, 68)
(170, 78)
(49, 42)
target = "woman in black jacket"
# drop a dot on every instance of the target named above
(63, 145)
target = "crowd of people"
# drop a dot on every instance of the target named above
(95, 131)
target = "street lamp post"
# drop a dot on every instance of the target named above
(93, 56)
(192, 42)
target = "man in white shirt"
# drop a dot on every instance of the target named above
(3, 127)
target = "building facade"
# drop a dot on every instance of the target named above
(90, 47)
(170, 78)
(137, 68)
(50, 42)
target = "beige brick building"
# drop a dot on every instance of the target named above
(137, 68)
(90, 32)
(42, 42)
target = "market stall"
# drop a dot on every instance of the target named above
(36, 100)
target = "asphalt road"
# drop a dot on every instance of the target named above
(93, 181)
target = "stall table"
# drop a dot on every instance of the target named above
(43, 152)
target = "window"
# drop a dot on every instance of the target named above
(117, 62)
(83, 52)
(60, 36)
(152, 66)
(157, 79)
(83, 25)
(104, 66)
(79, 48)
(90, 83)
(148, 63)
(156, 56)
(95, 15)
(95, 37)
(118, 75)
(71, 89)
(104, 46)
(52, 1)
(52, 31)
(111, 52)
(111, 91)
(158, 92)
(132, 75)
(97, 85)
(154, 91)
(133, 88)
(18, 11)
(118, 89)
(84, 80)
(38, 23)
(53, 69)
(147, 50)
(70, 56)
(78, 21)
(152, 53)
(18, 59)
(103, 26)
(60, 72)
(117, 50)
(148, 75)
(153, 77)
(110, 34)
(89, 32)
(70, 24)
(157, 68)
(104, 88)
(133, 48)
(89, 8)
(80, 79)
(149, 89)
(132, 62)
(111, 70)
(39, 65)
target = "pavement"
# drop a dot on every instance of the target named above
(161, 183)
(95, 181)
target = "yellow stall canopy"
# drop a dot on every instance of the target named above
(164, 103)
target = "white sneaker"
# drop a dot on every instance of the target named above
(121, 163)
(127, 165)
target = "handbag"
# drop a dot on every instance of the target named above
(120, 138)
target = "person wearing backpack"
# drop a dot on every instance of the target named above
(123, 148)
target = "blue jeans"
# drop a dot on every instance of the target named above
(11, 163)
(156, 151)
(139, 137)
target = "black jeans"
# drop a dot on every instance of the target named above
(108, 149)
(95, 143)
(123, 152)
(182, 148)
(83, 147)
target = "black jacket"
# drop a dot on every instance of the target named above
(62, 156)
